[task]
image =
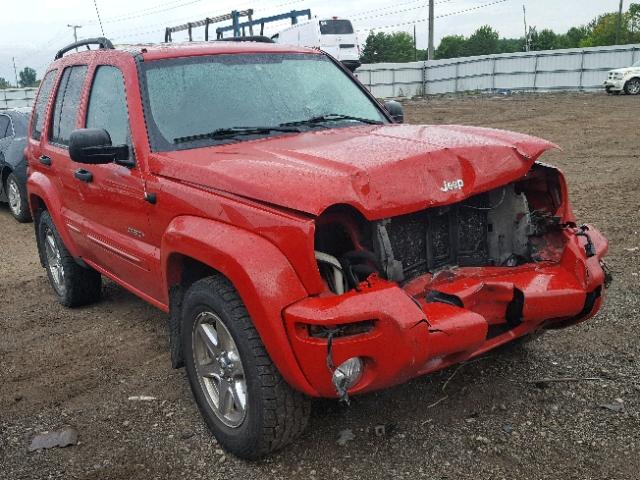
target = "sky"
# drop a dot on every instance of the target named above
(33, 30)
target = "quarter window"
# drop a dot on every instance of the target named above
(37, 119)
(5, 129)
(108, 105)
(65, 111)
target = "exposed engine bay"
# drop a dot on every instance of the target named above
(509, 226)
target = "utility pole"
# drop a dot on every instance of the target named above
(619, 26)
(75, 32)
(526, 33)
(431, 24)
(15, 71)
(415, 46)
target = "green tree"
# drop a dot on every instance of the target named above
(510, 45)
(634, 21)
(575, 35)
(451, 46)
(545, 40)
(4, 83)
(388, 47)
(483, 41)
(27, 77)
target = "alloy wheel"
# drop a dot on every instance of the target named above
(13, 194)
(54, 261)
(634, 87)
(219, 369)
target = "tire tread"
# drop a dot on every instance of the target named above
(286, 411)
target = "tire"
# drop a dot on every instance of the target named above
(73, 284)
(632, 87)
(17, 198)
(273, 413)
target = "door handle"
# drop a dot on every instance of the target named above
(44, 160)
(83, 175)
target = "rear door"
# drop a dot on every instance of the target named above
(5, 139)
(112, 196)
(338, 39)
(54, 159)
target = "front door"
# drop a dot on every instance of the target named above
(115, 211)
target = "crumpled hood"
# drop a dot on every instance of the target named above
(382, 171)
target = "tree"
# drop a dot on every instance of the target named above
(4, 83)
(388, 47)
(451, 46)
(545, 40)
(27, 77)
(634, 21)
(510, 45)
(484, 41)
(575, 35)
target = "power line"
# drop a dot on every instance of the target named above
(140, 15)
(95, 3)
(421, 20)
(135, 33)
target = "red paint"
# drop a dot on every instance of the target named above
(248, 210)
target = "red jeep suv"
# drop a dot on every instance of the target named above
(303, 242)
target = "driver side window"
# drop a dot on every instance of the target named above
(108, 105)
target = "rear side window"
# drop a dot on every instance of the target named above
(336, 27)
(108, 105)
(65, 111)
(5, 129)
(37, 119)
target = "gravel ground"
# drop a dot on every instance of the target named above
(484, 419)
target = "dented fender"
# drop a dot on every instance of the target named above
(262, 275)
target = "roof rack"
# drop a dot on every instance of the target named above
(234, 16)
(102, 42)
(247, 38)
(238, 27)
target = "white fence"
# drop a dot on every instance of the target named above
(573, 69)
(16, 97)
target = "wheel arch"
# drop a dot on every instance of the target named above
(635, 77)
(42, 195)
(194, 248)
(5, 170)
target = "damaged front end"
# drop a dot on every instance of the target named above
(412, 294)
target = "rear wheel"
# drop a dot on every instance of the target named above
(73, 284)
(632, 87)
(17, 197)
(244, 400)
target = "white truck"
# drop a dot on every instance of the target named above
(335, 36)
(624, 80)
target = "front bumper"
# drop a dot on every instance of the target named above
(448, 318)
(614, 85)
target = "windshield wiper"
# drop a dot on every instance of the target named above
(331, 117)
(224, 133)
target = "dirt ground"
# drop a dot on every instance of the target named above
(485, 419)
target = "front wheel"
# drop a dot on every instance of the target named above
(244, 400)
(17, 197)
(632, 87)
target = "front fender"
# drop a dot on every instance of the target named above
(40, 188)
(262, 275)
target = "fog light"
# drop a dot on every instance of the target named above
(347, 374)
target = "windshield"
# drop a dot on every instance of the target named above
(637, 64)
(198, 101)
(336, 27)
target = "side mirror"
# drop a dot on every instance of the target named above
(395, 110)
(93, 146)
